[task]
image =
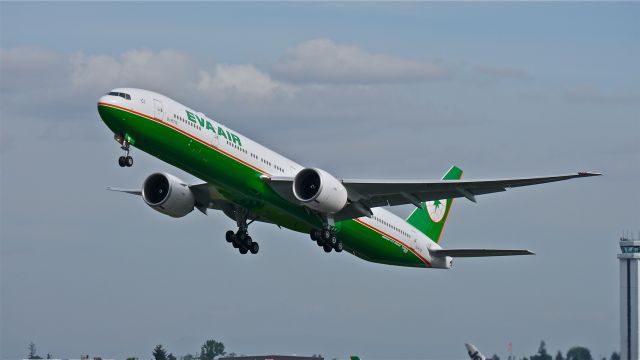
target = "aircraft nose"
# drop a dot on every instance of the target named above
(116, 97)
(105, 99)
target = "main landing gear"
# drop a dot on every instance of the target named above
(126, 160)
(241, 239)
(327, 239)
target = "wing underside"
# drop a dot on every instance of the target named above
(479, 252)
(366, 194)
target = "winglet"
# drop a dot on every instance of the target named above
(128, 191)
(588, 173)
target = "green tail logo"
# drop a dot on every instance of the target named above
(431, 218)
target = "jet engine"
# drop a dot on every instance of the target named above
(167, 194)
(319, 190)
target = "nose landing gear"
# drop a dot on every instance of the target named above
(126, 160)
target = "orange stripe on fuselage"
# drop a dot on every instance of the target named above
(396, 240)
(185, 133)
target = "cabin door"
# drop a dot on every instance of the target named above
(158, 110)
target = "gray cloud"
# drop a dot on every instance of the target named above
(324, 61)
(591, 94)
(409, 130)
(490, 73)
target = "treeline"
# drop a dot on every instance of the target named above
(212, 349)
(574, 353)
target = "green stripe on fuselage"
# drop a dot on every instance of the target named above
(242, 185)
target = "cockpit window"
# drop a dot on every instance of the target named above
(122, 95)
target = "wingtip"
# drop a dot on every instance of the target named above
(588, 173)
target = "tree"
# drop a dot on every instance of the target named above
(159, 353)
(32, 351)
(495, 357)
(579, 353)
(188, 357)
(210, 349)
(171, 357)
(542, 352)
(559, 356)
(615, 356)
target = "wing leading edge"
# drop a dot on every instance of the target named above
(366, 194)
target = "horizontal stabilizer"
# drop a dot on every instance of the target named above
(479, 252)
(128, 191)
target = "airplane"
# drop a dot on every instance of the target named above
(249, 182)
(474, 353)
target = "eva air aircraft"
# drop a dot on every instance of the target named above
(249, 182)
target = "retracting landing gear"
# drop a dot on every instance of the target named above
(326, 238)
(126, 160)
(241, 239)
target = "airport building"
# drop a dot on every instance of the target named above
(272, 357)
(629, 299)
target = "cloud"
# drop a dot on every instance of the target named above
(486, 73)
(142, 68)
(240, 80)
(22, 68)
(323, 61)
(62, 80)
(590, 94)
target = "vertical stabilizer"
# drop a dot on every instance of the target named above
(474, 353)
(430, 219)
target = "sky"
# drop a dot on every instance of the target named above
(362, 90)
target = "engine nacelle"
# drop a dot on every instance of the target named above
(167, 194)
(319, 190)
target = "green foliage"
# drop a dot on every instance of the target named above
(32, 351)
(159, 353)
(615, 356)
(542, 353)
(211, 349)
(559, 356)
(188, 357)
(494, 357)
(579, 353)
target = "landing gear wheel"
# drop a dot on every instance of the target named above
(254, 248)
(315, 234)
(325, 233)
(247, 242)
(338, 247)
(243, 250)
(320, 242)
(128, 161)
(235, 244)
(122, 161)
(327, 248)
(332, 240)
(230, 236)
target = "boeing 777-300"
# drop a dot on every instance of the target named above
(249, 182)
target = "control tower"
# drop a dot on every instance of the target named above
(629, 299)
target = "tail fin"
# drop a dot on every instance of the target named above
(474, 353)
(431, 217)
